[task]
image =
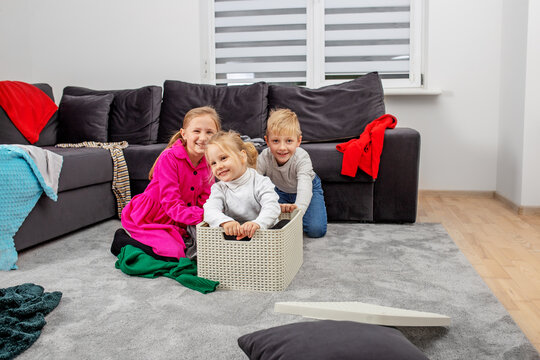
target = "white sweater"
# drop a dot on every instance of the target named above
(251, 197)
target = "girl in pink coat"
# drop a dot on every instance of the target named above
(180, 182)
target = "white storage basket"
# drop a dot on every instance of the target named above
(268, 262)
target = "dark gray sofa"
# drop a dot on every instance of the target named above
(84, 187)
(85, 196)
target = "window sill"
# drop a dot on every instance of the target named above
(411, 91)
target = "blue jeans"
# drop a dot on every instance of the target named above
(314, 219)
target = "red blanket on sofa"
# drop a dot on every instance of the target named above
(28, 107)
(365, 152)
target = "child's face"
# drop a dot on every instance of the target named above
(225, 166)
(282, 147)
(197, 134)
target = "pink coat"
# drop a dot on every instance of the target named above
(173, 199)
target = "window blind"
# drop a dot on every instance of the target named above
(361, 36)
(260, 40)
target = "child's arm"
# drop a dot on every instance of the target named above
(214, 206)
(270, 208)
(304, 189)
(167, 170)
(268, 198)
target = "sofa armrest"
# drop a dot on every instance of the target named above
(395, 196)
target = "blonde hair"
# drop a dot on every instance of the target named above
(283, 122)
(231, 143)
(190, 115)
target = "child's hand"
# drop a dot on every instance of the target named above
(248, 229)
(231, 227)
(287, 208)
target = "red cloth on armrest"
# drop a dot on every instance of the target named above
(365, 152)
(28, 107)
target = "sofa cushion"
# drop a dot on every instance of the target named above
(9, 134)
(83, 167)
(140, 158)
(241, 107)
(335, 112)
(327, 163)
(329, 339)
(84, 118)
(134, 115)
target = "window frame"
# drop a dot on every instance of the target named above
(315, 72)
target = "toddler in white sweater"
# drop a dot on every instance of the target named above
(243, 200)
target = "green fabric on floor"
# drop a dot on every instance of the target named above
(22, 316)
(134, 261)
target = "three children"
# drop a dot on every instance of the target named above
(181, 194)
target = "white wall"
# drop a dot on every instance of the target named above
(459, 127)
(531, 144)
(113, 44)
(512, 99)
(518, 168)
(15, 48)
(101, 44)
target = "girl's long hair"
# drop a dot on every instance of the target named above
(190, 115)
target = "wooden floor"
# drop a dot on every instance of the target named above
(502, 246)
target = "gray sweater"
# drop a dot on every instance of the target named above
(294, 177)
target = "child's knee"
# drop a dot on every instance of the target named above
(316, 231)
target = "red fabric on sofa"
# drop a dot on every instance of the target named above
(28, 108)
(365, 152)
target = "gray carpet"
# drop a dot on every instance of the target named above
(105, 314)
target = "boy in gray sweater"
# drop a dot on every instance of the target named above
(290, 169)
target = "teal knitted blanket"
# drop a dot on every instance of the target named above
(21, 185)
(22, 316)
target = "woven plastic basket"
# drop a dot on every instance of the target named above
(268, 262)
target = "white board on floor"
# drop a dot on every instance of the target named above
(362, 312)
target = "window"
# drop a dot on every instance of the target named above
(315, 42)
(261, 41)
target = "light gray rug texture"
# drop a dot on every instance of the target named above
(105, 314)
